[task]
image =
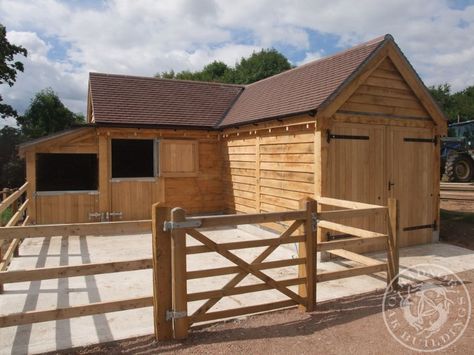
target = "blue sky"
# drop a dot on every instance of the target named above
(68, 39)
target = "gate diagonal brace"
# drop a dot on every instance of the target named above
(245, 266)
(242, 274)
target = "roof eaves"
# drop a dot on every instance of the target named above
(148, 125)
(269, 118)
(55, 135)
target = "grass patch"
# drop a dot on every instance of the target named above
(466, 217)
(5, 216)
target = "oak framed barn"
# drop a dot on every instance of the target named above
(359, 125)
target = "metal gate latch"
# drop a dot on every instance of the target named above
(314, 222)
(189, 223)
(175, 315)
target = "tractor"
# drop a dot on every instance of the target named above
(457, 152)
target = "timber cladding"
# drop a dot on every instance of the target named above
(270, 170)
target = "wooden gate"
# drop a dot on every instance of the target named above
(170, 228)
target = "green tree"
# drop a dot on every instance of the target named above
(463, 102)
(9, 68)
(457, 106)
(47, 114)
(259, 65)
(12, 169)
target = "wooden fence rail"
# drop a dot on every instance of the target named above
(79, 229)
(172, 226)
(15, 201)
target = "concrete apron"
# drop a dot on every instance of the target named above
(74, 291)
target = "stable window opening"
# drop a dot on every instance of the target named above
(66, 172)
(133, 158)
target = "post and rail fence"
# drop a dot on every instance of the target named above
(170, 227)
(14, 204)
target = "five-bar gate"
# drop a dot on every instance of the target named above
(170, 251)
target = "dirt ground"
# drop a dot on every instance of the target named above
(353, 325)
(348, 325)
(457, 223)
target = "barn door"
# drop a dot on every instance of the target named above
(411, 173)
(356, 155)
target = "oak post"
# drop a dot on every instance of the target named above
(392, 241)
(307, 250)
(161, 245)
(179, 287)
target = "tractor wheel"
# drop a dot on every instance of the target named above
(459, 168)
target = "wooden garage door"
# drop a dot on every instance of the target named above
(356, 158)
(411, 182)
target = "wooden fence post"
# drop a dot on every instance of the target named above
(392, 242)
(179, 279)
(161, 244)
(307, 249)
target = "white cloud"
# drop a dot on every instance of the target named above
(144, 37)
(310, 56)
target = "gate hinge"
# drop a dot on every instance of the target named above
(314, 222)
(189, 223)
(175, 314)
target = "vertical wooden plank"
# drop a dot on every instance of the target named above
(161, 244)
(307, 249)
(392, 241)
(104, 185)
(31, 178)
(179, 287)
(436, 186)
(322, 169)
(257, 174)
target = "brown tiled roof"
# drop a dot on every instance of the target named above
(131, 100)
(301, 89)
(120, 99)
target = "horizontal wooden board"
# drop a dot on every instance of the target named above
(288, 138)
(240, 157)
(229, 313)
(243, 201)
(387, 83)
(386, 101)
(239, 179)
(388, 110)
(307, 188)
(385, 92)
(76, 311)
(296, 158)
(80, 229)
(240, 142)
(239, 193)
(240, 150)
(287, 175)
(74, 270)
(387, 74)
(242, 172)
(299, 167)
(290, 148)
(279, 201)
(283, 193)
(241, 187)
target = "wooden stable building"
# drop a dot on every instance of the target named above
(359, 125)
